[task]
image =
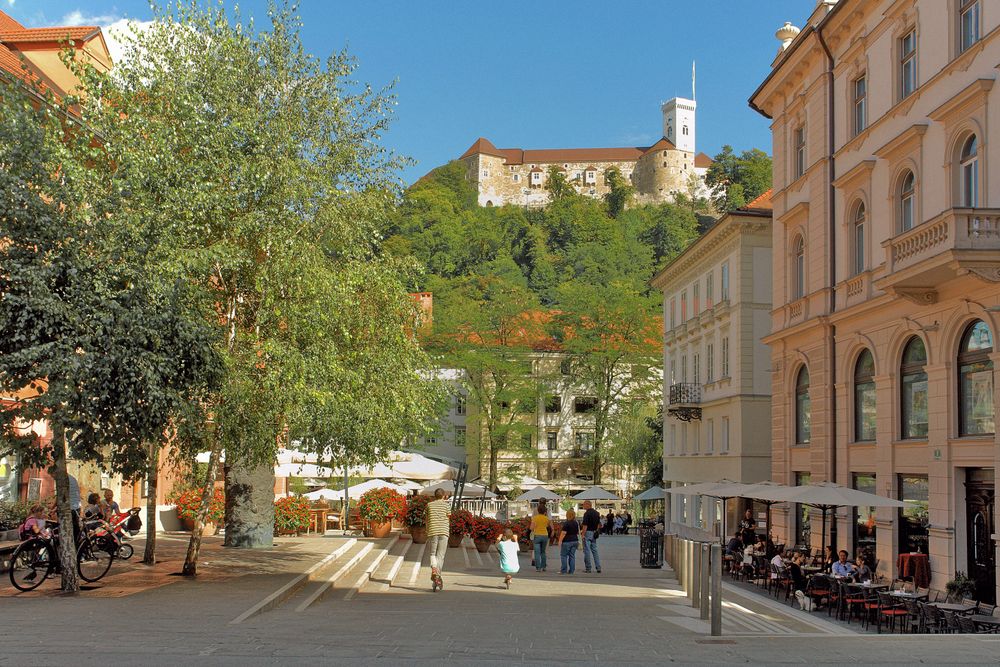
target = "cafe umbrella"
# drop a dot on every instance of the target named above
(722, 490)
(825, 496)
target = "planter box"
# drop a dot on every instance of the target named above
(482, 546)
(418, 534)
(377, 530)
(455, 541)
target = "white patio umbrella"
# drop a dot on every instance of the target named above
(724, 489)
(303, 470)
(324, 494)
(355, 492)
(595, 493)
(416, 466)
(538, 493)
(407, 484)
(826, 496)
(652, 493)
(470, 490)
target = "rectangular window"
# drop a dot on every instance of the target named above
(709, 289)
(517, 178)
(673, 371)
(968, 23)
(684, 439)
(696, 367)
(526, 442)
(551, 440)
(431, 439)
(553, 405)
(724, 287)
(460, 436)
(673, 312)
(584, 405)
(860, 104)
(709, 363)
(684, 369)
(907, 64)
(803, 532)
(486, 173)
(584, 441)
(864, 517)
(695, 437)
(799, 141)
(695, 298)
(684, 306)
(673, 440)
(460, 405)
(914, 518)
(725, 356)
(710, 436)
(724, 436)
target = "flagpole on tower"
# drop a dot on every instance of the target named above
(692, 82)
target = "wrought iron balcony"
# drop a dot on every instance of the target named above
(685, 401)
(957, 242)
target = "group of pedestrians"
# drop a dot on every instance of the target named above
(572, 535)
(615, 524)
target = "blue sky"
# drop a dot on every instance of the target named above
(530, 74)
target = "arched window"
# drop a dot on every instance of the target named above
(968, 174)
(803, 409)
(864, 398)
(906, 188)
(913, 389)
(975, 381)
(799, 269)
(858, 238)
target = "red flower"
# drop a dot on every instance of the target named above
(460, 522)
(291, 513)
(189, 504)
(485, 528)
(381, 505)
(416, 510)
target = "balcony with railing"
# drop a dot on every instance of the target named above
(685, 401)
(957, 242)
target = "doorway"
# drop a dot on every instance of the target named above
(980, 493)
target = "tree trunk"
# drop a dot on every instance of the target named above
(493, 460)
(152, 472)
(67, 541)
(249, 505)
(194, 546)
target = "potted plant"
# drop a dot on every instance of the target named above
(459, 525)
(485, 532)
(522, 529)
(377, 508)
(291, 515)
(962, 586)
(416, 517)
(188, 502)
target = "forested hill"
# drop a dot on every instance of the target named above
(574, 240)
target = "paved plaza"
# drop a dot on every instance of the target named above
(625, 616)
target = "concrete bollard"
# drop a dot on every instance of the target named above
(706, 569)
(716, 612)
(696, 576)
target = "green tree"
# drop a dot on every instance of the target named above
(558, 184)
(108, 352)
(738, 179)
(487, 327)
(261, 165)
(636, 442)
(620, 193)
(611, 334)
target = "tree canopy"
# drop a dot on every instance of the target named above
(738, 179)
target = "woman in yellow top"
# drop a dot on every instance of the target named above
(541, 529)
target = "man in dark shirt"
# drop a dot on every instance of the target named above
(592, 527)
(735, 545)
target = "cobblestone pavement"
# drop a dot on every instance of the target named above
(624, 616)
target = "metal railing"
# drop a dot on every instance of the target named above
(685, 393)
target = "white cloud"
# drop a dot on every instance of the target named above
(10, 3)
(76, 17)
(118, 33)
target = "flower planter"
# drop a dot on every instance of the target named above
(482, 546)
(373, 529)
(418, 534)
(455, 541)
(208, 529)
(525, 547)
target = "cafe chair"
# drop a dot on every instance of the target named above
(967, 626)
(914, 616)
(933, 618)
(890, 610)
(971, 603)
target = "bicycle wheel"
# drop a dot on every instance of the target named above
(92, 562)
(125, 551)
(30, 564)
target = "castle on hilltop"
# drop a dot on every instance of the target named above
(518, 176)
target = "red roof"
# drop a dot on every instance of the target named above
(9, 61)
(663, 144)
(7, 22)
(702, 161)
(761, 202)
(514, 156)
(26, 35)
(483, 146)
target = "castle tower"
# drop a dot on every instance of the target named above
(678, 123)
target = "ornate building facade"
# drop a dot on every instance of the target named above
(887, 275)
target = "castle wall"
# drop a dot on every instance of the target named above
(500, 183)
(659, 174)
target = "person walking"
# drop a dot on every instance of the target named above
(609, 525)
(437, 536)
(569, 542)
(541, 529)
(592, 530)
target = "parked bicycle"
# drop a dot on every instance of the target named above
(37, 558)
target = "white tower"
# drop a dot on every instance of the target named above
(678, 123)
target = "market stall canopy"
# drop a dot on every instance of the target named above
(652, 493)
(469, 491)
(724, 488)
(826, 494)
(408, 484)
(323, 494)
(538, 493)
(303, 470)
(355, 492)
(416, 466)
(595, 493)
(526, 482)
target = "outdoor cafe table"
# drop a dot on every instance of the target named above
(954, 607)
(870, 585)
(992, 622)
(907, 595)
(915, 566)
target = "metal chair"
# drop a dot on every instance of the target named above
(890, 610)
(933, 618)
(915, 617)
(966, 625)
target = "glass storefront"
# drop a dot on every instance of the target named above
(864, 517)
(913, 519)
(802, 527)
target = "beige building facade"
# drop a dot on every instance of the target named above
(716, 395)
(657, 172)
(887, 275)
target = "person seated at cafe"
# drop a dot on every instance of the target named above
(862, 572)
(828, 559)
(769, 547)
(795, 572)
(760, 548)
(735, 546)
(843, 567)
(778, 559)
